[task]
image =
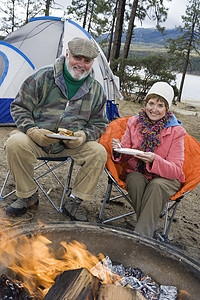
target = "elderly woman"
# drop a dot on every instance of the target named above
(155, 173)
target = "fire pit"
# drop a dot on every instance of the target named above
(163, 263)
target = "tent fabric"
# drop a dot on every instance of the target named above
(191, 165)
(37, 44)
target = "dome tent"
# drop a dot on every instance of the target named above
(37, 44)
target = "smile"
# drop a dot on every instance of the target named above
(75, 68)
(154, 114)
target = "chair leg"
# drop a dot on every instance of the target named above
(171, 220)
(111, 182)
(5, 182)
(106, 199)
(50, 170)
(3, 187)
(65, 187)
(166, 227)
(122, 194)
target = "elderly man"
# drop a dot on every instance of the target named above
(64, 95)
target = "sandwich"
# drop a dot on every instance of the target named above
(65, 132)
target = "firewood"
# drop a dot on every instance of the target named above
(74, 284)
(113, 292)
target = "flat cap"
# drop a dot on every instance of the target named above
(83, 47)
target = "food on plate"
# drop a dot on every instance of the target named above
(64, 131)
(129, 151)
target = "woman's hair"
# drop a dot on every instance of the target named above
(158, 97)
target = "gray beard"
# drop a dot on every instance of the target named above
(74, 74)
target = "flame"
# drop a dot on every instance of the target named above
(36, 265)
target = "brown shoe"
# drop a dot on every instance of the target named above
(72, 208)
(21, 205)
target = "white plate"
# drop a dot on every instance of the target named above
(128, 151)
(60, 136)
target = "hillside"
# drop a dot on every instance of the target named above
(151, 35)
(148, 35)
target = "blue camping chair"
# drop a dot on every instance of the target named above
(111, 110)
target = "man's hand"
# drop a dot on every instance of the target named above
(81, 138)
(39, 137)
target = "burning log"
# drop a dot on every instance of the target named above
(81, 284)
(113, 292)
(74, 284)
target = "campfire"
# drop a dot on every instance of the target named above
(35, 270)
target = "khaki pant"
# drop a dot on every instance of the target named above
(22, 153)
(149, 198)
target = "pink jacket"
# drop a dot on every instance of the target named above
(169, 155)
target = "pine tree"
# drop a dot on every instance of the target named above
(16, 13)
(94, 16)
(10, 20)
(153, 9)
(118, 31)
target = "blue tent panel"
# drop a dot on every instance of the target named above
(5, 116)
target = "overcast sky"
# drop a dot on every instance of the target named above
(176, 10)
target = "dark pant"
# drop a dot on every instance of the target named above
(149, 198)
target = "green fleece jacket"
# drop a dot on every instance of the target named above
(42, 101)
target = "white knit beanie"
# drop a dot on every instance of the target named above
(162, 89)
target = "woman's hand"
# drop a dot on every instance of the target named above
(146, 157)
(115, 144)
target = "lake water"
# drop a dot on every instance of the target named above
(191, 89)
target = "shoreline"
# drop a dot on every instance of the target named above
(191, 102)
(187, 108)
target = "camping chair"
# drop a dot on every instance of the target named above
(116, 172)
(46, 162)
(111, 110)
